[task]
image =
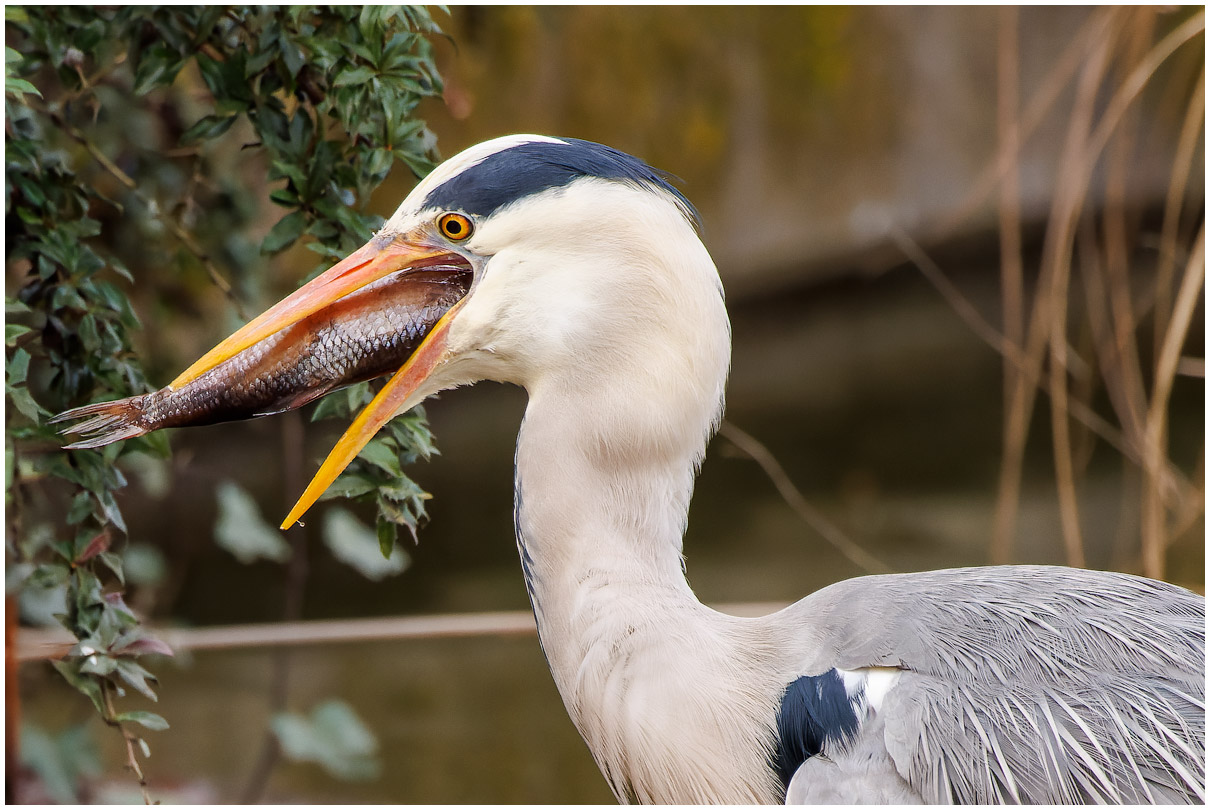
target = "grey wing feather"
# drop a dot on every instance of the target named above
(1032, 684)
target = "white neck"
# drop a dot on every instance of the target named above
(620, 337)
(644, 669)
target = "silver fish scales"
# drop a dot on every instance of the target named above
(364, 335)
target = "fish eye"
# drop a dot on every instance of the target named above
(455, 227)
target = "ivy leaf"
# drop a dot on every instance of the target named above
(333, 736)
(382, 456)
(137, 677)
(285, 232)
(12, 331)
(387, 533)
(156, 67)
(241, 529)
(95, 546)
(354, 76)
(18, 366)
(25, 403)
(61, 761)
(70, 670)
(207, 128)
(358, 546)
(149, 720)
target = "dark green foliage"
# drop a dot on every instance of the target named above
(112, 149)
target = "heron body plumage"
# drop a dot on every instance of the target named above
(592, 291)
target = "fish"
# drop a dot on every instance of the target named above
(364, 335)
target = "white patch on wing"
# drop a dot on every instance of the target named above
(870, 685)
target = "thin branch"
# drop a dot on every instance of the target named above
(1173, 478)
(296, 584)
(1048, 93)
(132, 760)
(43, 644)
(1012, 284)
(1154, 450)
(988, 333)
(1182, 165)
(811, 516)
(183, 236)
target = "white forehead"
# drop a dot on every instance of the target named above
(452, 168)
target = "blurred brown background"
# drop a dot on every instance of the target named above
(813, 141)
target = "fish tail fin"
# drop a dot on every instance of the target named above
(104, 423)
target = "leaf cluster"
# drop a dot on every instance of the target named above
(107, 164)
(377, 474)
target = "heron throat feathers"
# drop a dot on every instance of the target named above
(620, 337)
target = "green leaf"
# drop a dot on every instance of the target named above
(350, 485)
(70, 670)
(382, 456)
(157, 66)
(332, 736)
(137, 677)
(388, 533)
(285, 232)
(207, 128)
(358, 546)
(24, 403)
(61, 761)
(284, 197)
(242, 531)
(354, 76)
(12, 331)
(20, 86)
(18, 367)
(148, 720)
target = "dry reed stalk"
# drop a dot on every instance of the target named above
(1048, 313)
(757, 451)
(1051, 87)
(1154, 448)
(1182, 165)
(1053, 297)
(1128, 373)
(1106, 284)
(1077, 409)
(1097, 311)
(1012, 283)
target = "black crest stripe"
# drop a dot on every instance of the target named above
(520, 171)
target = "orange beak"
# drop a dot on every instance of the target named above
(369, 263)
(382, 407)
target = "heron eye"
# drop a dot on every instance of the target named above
(455, 227)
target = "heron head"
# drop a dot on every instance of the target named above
(572, 256)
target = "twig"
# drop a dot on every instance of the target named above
(985, 331)
(1012, 284)
(1165, 371)
(12, 702)
(1051, 86)
(1080, 411)
(132, 760)
(296, 583)
(813, 517)
(182, 235)
(39, 645)
(1182, 164)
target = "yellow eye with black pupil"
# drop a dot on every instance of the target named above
(455, 227)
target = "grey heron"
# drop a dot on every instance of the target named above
(584, 281)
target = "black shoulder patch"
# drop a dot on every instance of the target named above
(815, 710)
(529, 168)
